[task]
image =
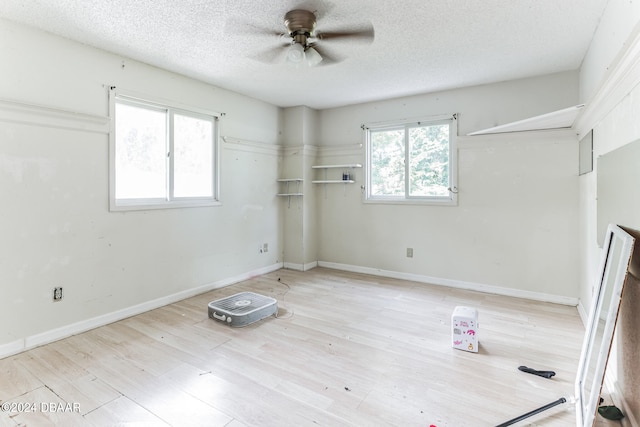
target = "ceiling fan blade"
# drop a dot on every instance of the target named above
(327, 57)
(363, 35)
(320, 8)
(239, 27)
(273, 55)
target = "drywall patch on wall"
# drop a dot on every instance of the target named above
(19, 169)
(12, 168)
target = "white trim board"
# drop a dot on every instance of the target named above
(341, 150)
(46, 337)
(53, 117)
(560, 119)
(537, 138)
(237, 144)
(479, 287)
(622, 77)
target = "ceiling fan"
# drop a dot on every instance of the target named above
(304, 46)
(304, 49)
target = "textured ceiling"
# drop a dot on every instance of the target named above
(420, 45)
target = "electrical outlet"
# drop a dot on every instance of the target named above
(409, 252)
(265, 247)
(57, 293)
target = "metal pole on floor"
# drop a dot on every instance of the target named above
(534, 412)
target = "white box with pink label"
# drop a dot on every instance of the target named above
(464, 329)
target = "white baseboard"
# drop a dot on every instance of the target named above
(11, 348)
(584, 316)
(490, 289)
(46, 337)
(300, 267)
(293, 266)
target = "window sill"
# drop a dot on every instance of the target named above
(143, 205)
(445, 201)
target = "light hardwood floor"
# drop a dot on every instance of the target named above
(345, 349)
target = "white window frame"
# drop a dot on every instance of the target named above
(451, 198)
(143, 101)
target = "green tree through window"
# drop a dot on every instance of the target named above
(411, 161)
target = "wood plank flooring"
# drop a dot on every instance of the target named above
(345, 350)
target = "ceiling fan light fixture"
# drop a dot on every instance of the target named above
(295, 54)
(312, 57)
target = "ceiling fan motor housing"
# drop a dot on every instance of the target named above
(300, 24)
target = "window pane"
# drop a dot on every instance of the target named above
(387, 163)
(140, 153)
(429, 161)
(193, 157)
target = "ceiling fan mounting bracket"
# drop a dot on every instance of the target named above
(300, 38)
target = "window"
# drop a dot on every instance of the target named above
(161, 156)
(412, 162)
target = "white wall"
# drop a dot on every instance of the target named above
(299, 219)
(514, 230)
(478, 107)
(614, 130)
(55, 226)
(608, 80)
(616, 28)
(610, 86)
